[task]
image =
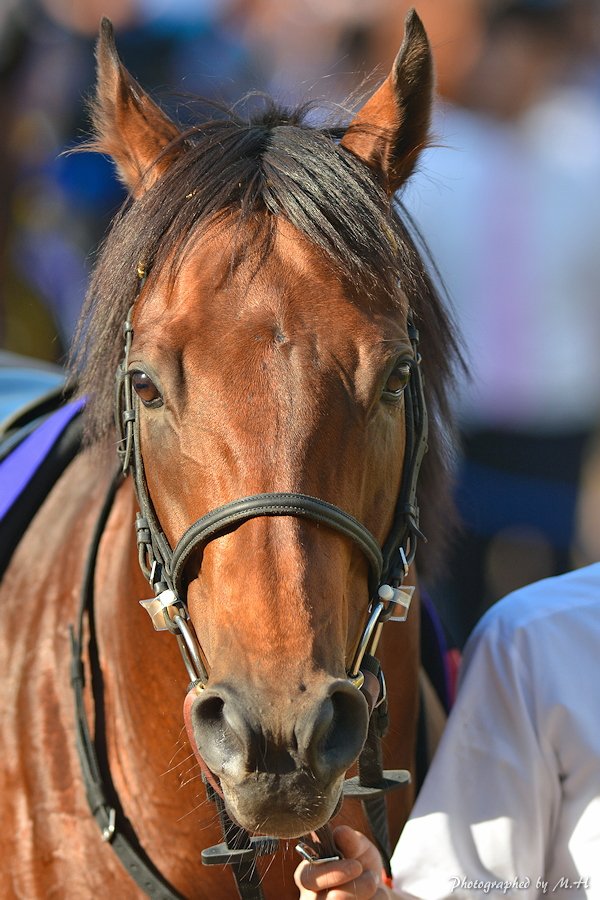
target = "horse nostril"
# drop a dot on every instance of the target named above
(334, 735)
(343, 727)
(209, 711)
(327, 739)
(220, 730)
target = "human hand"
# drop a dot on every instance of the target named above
(356, 877)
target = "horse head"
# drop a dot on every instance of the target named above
(270, 289)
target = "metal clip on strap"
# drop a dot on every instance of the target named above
(319, 846)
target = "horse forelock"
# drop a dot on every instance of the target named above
(274, 165)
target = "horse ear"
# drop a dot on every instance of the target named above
(128, 125)
(392, 128)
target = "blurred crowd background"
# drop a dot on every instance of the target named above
(508, 199)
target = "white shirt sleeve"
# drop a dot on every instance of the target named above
(488, 806)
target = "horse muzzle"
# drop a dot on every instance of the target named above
(278, 765)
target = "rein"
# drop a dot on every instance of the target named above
(164, 567)
(101, 795)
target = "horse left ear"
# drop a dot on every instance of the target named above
(392, 128)
(129, 126)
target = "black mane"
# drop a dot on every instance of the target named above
(274, 164)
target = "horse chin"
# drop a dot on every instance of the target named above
(284, 806)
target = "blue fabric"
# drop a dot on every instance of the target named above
(19, 467)
(20, 386)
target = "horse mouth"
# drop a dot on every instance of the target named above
(284, 806)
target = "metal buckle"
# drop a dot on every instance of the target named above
(392, 780)
(224, 855)
(402, 553)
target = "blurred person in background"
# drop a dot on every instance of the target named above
(55, 207)
(508, 201)
(51, 205)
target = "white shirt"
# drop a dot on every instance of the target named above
(513, 794)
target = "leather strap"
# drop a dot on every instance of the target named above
(245, 872)
(405, 530)
(219, 520)
(370, 768)
(107, 813)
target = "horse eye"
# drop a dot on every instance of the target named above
(146, 390)
(396, 383)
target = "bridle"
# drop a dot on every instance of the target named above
(165, 569)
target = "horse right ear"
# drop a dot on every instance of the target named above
(128, 125)
(392, 128)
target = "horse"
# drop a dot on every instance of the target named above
(274, 329)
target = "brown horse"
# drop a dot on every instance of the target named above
(271, 291)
